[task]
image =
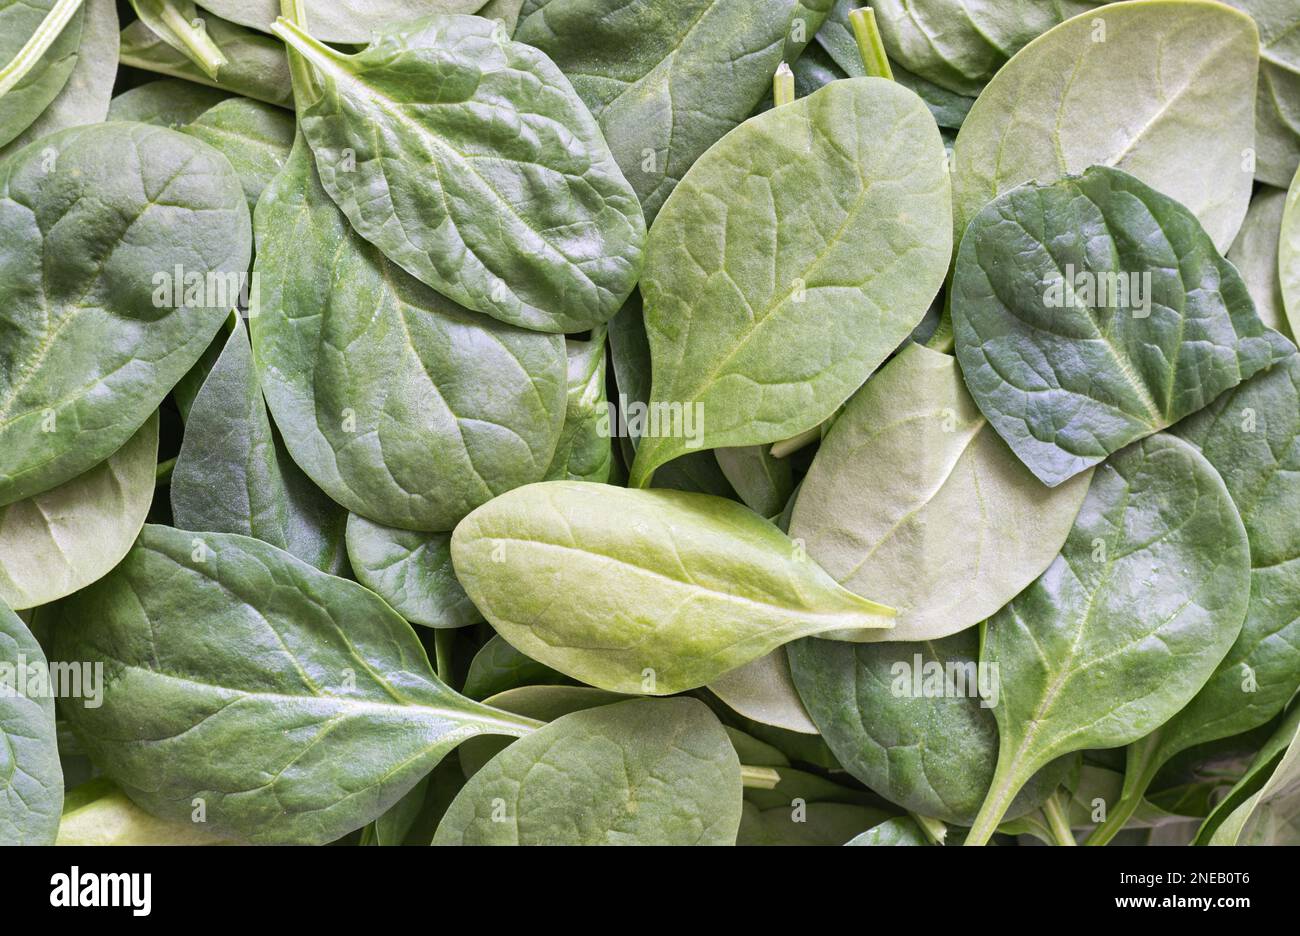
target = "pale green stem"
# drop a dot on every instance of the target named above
(293, 20)
(1002, 791)
(1058, 819)
(942, 339)
(870, 45)
(782, 85)
(795, 443)
(934, 830)
(198, 44)
(760, 778)
(1139, 771)
(38, 44)
(442, 641)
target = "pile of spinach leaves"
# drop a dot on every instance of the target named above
(657, 422)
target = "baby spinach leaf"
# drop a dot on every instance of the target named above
(38, 51)
(908, 720)
(166, 102)
(1185, 72)
(544, 703)
(706, 585)
(99, 225)
(900, 831)
(232, 475)
(469, 160)
(177, 23)
(296, 706)
(1092, 311)
(1251, 435)
(584, 452)
(98, 813)
(373, 377)
(665, 80)
(60, 540)
(256, 64)
(499, 667)
(764, 691)
(85, 95)
(1126, 626)
(1277, 101)
(411, 571)
(961, 44)
(347, 21)
(1255, 255)
(952, 526)
(1272, 815)
(644, 771)
(791, 260)
(810, 824)
(763, 483)
(1288, 256)
(256, 137)
(31, 780)
(1256, 775)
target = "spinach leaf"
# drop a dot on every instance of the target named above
(346, 21)
(807, 824)
(1251, 435)
(1257, 774)
(1272, 815)
(1092, 311)
(764, 691)
(644, 771)
(1288, 256)
(666, 80)
(900, 831)
(952, 526)
(584, 452)
(166, 102)
(505, 200)
(256, 64)
(1277, 101)
(60, 540)
(228, 662)
(31, 780)
(177, 23)
(38, 49)
(411, 571)
(256, 137)
(763, 483)
(1125, 627)
(98, 813)
(960, 44)
(790, 261)
(85, 95)
(706, 585)
(498, 667)
(1255, 255)
(544, 703)
(233, 476)
(372, 377)
(106, 230)
(1185, 72)
(909, 721)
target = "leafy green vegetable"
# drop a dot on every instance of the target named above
(38, 51)
(900, 831)
(1270, 816)
(254, 136)
(764, 691)
(347, 21)
(166, 102)
(695, 571)
(31, 780)
(1255, 255)
(256, 64)
(764, 483)
(375, 378)
(98, 813)
(544, 703)
(177, 23)
(1257, 774)
(507, 202)
(1092, 311)
(233, 476)
(251, 663)
(100, 223)
(645, 771)
(790, 261)
(1181, 74)
(1125, 627)
(411, 571)
(584, 452)
(1288, 256)
(498, 667)
(953, 526)
(60, 540)
(1277, 102)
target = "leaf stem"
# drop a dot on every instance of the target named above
(793, 444)
(870, 46)
(1139, 770)
(760, 778)
(782, 85)
(198, 44)
(934, 829)
(39, 42)
(1001, 793)
(1058, 819)
(163, 474)
(301, 48)
(442, 641)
